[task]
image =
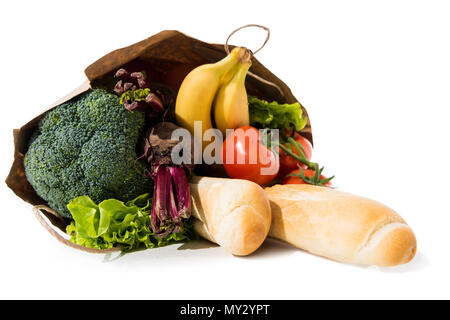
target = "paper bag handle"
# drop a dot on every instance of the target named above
(51, 229)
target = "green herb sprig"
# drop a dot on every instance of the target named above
(134, 95)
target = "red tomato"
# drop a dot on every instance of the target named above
(308, 173)
(245, 157)
(288, 163)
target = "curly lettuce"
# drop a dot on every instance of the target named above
(113, 223)
(272, 115)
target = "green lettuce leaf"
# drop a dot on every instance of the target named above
(273, 115)
(113, 223)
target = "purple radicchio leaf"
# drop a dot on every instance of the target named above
(182, 191)
(160, 209)
(171, 198)
(176, 219)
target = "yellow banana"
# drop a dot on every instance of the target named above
(231, 104)
(197, 91)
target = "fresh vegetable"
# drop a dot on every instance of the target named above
(168, 97)
(294, 150)
(171, 200)
(246, 157)
(127, 81)
(307, 176)
(113, 223)
(171, 197)
(288, 163)
(86, 146)
(273, 115)
(299, 156)
(135, 93)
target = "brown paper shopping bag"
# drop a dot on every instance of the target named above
(167, 57)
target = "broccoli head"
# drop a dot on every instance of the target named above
(87, 146)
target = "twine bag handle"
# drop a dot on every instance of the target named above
(227, 50)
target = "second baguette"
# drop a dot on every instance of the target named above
(339, 225)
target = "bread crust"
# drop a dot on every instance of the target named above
(339, 225)
(236, 212)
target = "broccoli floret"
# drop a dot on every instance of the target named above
(87, 146)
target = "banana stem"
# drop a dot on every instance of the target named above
(230, 61)
(245, 56)
(242, 70)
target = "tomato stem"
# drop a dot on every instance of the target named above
(315, 180)
(300, 157)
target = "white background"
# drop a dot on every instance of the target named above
(375, 79)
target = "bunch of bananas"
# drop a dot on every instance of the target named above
(215, 90)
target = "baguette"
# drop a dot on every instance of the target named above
(231, 212)
(339, 225)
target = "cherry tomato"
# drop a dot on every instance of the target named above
(308, 173)
(245, 157)
(288, 163)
